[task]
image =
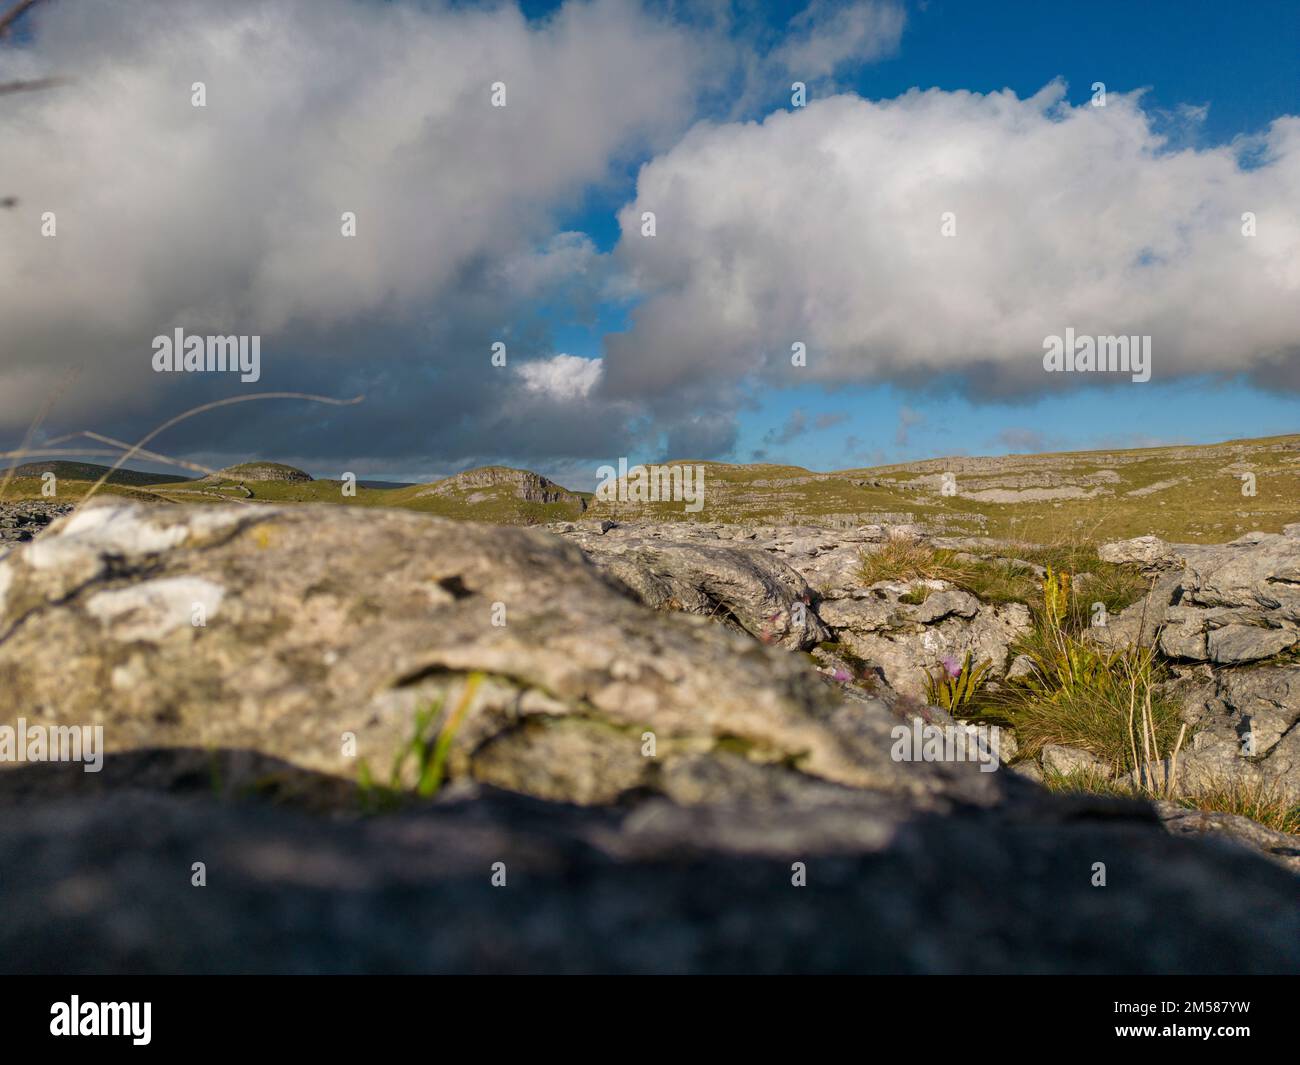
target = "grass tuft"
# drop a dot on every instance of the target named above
(1107, 701)
(1005, 580)
(1262, 802)
(907, 559)
(430, 745)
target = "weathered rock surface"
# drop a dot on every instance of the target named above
(321, 627)
(758, 578)
(1241, 831)
(20, 522)
(1244, 729)
(1142, 550)
(905, 640)
(1067, 760)
(745, 587)
(1236, 603)
(826, 559)
(321, 623)
(1222, 611)
(262, 471)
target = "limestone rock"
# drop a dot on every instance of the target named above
(1235, 603)
(1070, 760)
(524, 485)
(1246, 733)
(262, 471)
(903, 640)
(20, 522)
(322, 623)
(1142, 550)
(738, 585)
(1233, 828)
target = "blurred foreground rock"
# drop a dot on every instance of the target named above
(104, 886)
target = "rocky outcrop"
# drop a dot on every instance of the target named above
(1233, 829)
(652, 787)
(523, 484)
(1142, 550)
(1219, 612)
(800, 587)
(730, 581)
(1237, 603)
(902, 640)
(20, 522)
(1224, 604)
(321, 623)
(1244, 729)
(1056, 758)
(262, 471)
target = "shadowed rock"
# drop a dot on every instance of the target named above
(105, 886)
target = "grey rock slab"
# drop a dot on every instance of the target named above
(1246, 734)
(749, 588)
(1068, 760)
(1234, 644)
(940, 605)
(1142, 550)
(1261, 573)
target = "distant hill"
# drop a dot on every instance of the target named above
(90, 471)
(1207, 493)
(262, 471)
(494, 494)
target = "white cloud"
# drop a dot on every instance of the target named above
(823, 226)
(561, 377)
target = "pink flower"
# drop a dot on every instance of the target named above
(951, 666)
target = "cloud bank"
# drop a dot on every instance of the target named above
(825, 226)
(229, 218)
(821, 226)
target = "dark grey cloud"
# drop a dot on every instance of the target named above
(701, 437)
(227, 219)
